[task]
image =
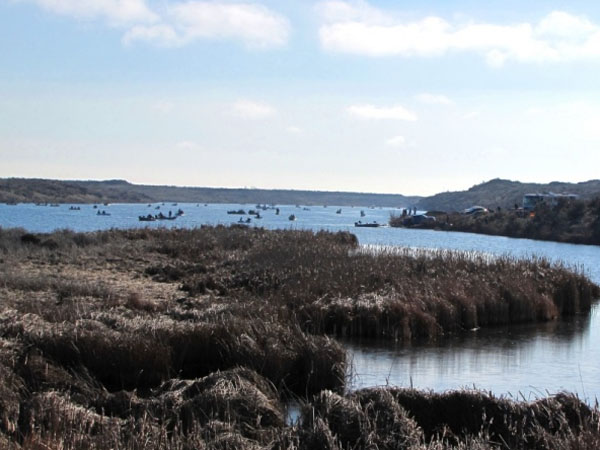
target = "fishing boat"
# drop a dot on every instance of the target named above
(367, 225)
(292, 217)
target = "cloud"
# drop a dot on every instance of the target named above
(115, 12)
(294, 130)
(251, 110)
(396, 141)
(187, 145)
(343, 11)
(163, 106)
(378, 113)
(472, 115)
(254, 25)
(433, 99)
(181, 23)
(160, 35)
(358, 28)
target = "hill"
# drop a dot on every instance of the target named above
(491, 194)
(503, 193)
(23, 190)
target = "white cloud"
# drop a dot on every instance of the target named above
(187, 145)
(378, 113)
(471, 115)
(359, 28)
(396, 141)
(251, 110)
(433, 99)
(163, 106)
(254, 25)
(294, 130)
(161, 35)
(116, 12)
(180, 23)
(342, 11)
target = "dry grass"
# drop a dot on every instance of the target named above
(185, 339)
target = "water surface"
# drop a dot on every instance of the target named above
(522, 361)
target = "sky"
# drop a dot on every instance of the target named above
(409, 97)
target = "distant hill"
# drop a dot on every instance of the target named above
(27, 190)
(503, 193)
(491, 194)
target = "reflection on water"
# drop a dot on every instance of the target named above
(526, 361)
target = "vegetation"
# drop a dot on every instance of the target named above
(20, 190)
(160, 339)
(575, 221)
(503, 193)
(491, 194)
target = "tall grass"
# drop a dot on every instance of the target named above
(89, 361)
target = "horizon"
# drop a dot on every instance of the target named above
(415, 98)
(287, 189)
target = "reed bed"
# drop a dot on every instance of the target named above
(161, 339)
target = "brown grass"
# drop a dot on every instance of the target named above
(160, 339)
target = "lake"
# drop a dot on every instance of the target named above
(522, 361)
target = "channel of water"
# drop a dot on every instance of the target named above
(520, 361)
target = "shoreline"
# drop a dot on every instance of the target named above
(140, 329)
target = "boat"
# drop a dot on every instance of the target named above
(339, 211)
(102, 213)
(161, 216)
(367, 224)
(362, 213)
(292, 217)
(148, 218)
(236, 211)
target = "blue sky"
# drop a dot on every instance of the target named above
(380, 96)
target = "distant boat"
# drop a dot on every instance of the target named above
(148, 218)
(292, 217)
(367, 225)
(102, 213)
(161, 216)
(339, 211)
(236, 211)
(362, 213)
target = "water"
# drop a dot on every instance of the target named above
(522, 361)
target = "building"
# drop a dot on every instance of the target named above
(530, 201)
